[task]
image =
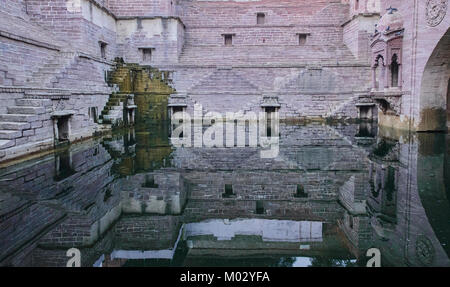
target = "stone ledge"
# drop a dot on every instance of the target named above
(263, 26)
(28, 41)
(269, 66)
(50, 92)
(97, 59)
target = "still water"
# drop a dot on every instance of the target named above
(133, 199)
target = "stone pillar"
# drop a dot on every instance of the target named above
(387, 70)
(388, 83)
(374, 78)
(400, 76)
(69, 128)
(55, 129)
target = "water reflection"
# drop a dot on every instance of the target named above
(131, 199)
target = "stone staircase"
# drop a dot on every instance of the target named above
(264, 55)
(130, 79)
(51, 72)
(20, 121)
(225, 81)
(113, 111)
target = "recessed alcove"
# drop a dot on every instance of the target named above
(228, 191)
(62, 126)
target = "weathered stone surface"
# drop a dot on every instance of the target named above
(9, 134)
(18, 118)
(14, 126)
(26, 110)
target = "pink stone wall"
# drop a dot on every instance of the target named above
(19, 60)
(24, 47)
(229, 13)
(127, 8)
(13, 7)
(69, 24)
(356, 34)
(55, 15)
(419, 42)
(166, 44)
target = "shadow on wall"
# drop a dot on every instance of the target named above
(434, 104)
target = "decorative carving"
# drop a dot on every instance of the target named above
(425, 251)
(436, 11)
(60, 106)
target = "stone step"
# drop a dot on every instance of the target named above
(33, 103)
(18, 118)
(4, 144)
(17, 126)
(9, 135)
(26, 110)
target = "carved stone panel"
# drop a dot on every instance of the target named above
(436, 11)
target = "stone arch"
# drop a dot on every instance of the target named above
(379, 67)
(395, 71)
(434, 93)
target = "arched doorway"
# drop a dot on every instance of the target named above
(434, 102)
(379, 74)
(394, 71)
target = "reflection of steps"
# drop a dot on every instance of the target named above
(51, 72)
(21, 121)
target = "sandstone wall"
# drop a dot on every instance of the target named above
(14, 7)
(33, 110)
(163, 36)
(423, 100)
(133, 8)
(80, 23)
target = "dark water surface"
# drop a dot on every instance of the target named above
(332, 193)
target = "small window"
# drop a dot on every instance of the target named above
(93, 114)
(394, 71)
(260, 18)
(270, 111)
(63, 129)
(300, 192)
(150, 182)
(228, 40)
(302, 39)
(147, 55)
(228, 191)
(103, 49)
(260, 207)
